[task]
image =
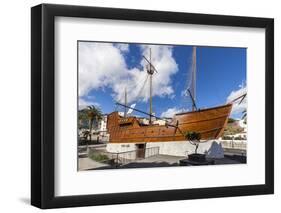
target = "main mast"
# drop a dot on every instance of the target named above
(193, 79)
(150, 88)
(150, 71)
(125, 108)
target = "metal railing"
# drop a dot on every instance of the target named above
(152, 151)
(232, 144)
(122, 158)
(130, 156)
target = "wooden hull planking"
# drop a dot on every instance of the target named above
(209, 122)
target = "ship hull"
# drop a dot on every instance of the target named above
(210, 123)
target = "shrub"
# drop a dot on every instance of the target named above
(232, 130)
(193, 136)
(98, 157)
(231, 120)
(227, 137)
(239, 138)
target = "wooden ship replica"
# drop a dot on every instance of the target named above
(209, 122)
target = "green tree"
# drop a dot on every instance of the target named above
(194, 138)
(94, 114)
(82, 118)
(231, 120)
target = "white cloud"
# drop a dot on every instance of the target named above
(169, 113)
(123, 47)
(100, 65)
(103, 65)
(238, 108)
(84, 103)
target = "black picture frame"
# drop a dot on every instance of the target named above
(43, 111)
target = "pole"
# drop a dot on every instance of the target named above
(193, 87)
(137, 110)
(150, 72)
(194, 107)
(125, 109)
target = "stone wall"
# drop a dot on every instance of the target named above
(211, 148)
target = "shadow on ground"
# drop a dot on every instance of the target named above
(139, 165)
(157, 161)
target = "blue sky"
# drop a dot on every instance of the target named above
(106, 69)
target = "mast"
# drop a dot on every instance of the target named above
(150, 71)
(150, 88)
(193, 79)
(125, 108)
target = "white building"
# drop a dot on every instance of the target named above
(243, 124)
(100, 129)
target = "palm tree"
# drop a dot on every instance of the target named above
(93, 114)
(82, 117)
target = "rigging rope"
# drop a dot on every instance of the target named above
(139, 94)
